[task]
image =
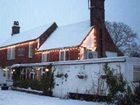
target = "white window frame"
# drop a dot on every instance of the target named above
(11, 53)
(44, 57)
(60, 55)
(30, 54)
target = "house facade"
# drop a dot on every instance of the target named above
(21, 47)
(73, 56)
(84, 40)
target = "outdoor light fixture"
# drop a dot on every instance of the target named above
(46, 69)
(14, 70)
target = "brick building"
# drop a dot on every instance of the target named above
(83, 40)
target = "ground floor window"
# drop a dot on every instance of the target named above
(136, 73)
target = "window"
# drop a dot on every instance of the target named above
(62, 56)
(45, 57)
(20, 51)
(136, 73)
(30, 50)
(11, 53)
(111, 54)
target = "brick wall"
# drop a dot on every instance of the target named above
(21, 55)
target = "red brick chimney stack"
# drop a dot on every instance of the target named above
(97, 19)
(15, 28)
(97, 12)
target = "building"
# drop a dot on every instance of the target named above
(76, 54)
(83, 40)
(21, 47)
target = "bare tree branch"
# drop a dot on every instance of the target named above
(122, 35)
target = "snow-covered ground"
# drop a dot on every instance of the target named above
(20, 98)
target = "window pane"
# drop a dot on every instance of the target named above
(136, 74)
(30, 50)
(62, 56)
(11, 53)
(44, 57)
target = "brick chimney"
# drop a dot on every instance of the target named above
(104, 41)
(97, 19)
(15, 28)
(97, 14)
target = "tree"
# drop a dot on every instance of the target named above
(48, 81)
(133, 50)
(123, 36)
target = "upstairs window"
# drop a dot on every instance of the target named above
(20, 52)
(11, 53)
(45, 57)
(62, 55)
(30, 50)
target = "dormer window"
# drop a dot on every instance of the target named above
(11, 53)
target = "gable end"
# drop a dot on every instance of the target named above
(47, 33)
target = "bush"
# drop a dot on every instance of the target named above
(120, 92)
(46, 84)
(35, 85)
(23, 84)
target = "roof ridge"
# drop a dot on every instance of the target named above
(33, 28)
(74, 23)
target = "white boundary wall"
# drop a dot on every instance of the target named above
(67, 80)
(92, 70)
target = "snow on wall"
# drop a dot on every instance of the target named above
(67, 80)
(2, 77)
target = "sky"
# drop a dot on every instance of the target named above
(34, 13)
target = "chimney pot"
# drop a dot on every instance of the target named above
(15, 28)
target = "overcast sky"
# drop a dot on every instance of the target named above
(33, 13)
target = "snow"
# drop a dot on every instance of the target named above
(26, 36)
(86, 61)
(67, 36)
(2, 77)
(29, 90)
(20, 98)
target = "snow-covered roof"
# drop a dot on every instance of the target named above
(67, 36)
(26, 36)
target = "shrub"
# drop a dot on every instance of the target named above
(120, 92)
